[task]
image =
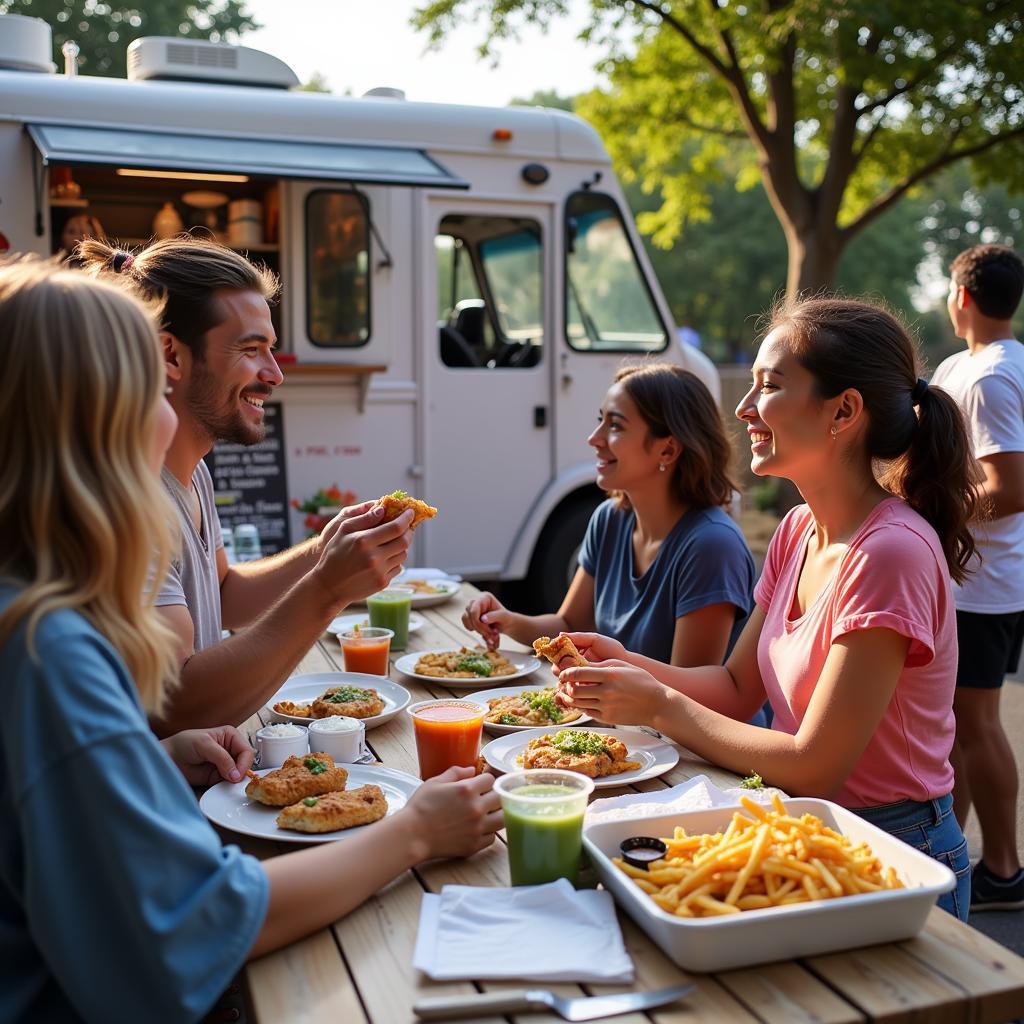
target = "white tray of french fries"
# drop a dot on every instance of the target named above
(746, 889)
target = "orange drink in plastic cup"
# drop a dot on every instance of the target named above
(447, 733)
(367, 650)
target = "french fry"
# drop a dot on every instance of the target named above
(767, 859)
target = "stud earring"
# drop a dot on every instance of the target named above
(661, 467)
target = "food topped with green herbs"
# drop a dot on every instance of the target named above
(752, 781)
(465, 663)
(395, 503)
(594, 754)
(344, 694)
(350, 701)
(529, 708)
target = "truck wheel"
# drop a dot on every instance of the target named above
(555, 558)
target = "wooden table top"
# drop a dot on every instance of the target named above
(360, 970)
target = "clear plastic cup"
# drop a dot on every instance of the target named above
(447, 733)
(390, 609)
(544, 810)
(367, 650)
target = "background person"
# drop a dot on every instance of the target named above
(662, 566)
(218, 342)
(102, 836)
(987, 381)
(853, 639)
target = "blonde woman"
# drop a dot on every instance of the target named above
(117, 898)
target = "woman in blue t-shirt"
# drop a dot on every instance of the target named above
(663, 568)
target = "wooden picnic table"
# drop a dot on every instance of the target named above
(359, 971)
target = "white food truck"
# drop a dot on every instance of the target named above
(459, 283)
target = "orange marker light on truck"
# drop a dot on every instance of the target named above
(501, 135)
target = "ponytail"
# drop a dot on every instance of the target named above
(101, 257)
(925, 456)
(938, 475)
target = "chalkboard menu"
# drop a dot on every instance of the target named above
(250, 483)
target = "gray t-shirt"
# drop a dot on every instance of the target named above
(192, 579)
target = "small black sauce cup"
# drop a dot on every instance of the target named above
(640, 851)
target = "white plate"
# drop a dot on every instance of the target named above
(346, 622)
(309, 687)
(524, 663)
(483, 696)
(655, 756)
(227, 805)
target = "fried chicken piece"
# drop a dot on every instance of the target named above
(397, 502)
(289, 707)
(335, 811)
(300, 776)
(558, 649)
(592, 754)
(351, 701)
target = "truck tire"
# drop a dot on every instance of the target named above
(555, 557)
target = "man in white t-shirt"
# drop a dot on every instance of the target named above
(987, 381)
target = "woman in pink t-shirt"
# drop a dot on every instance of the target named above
(853, 639)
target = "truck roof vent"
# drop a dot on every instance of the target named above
(166, 58)
(385, 92)
(25, 44)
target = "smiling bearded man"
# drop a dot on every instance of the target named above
(218, 340)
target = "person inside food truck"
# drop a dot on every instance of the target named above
(218, 343)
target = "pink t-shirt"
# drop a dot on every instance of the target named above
(893, 575)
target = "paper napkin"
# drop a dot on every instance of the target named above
(696, 794)
(529, 933)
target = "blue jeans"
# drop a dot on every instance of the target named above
(931, 828)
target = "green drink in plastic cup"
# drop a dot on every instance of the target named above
(543, 811)
(390, 609)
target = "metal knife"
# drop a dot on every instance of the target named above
(538, 1000)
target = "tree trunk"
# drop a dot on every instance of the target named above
(813, 259)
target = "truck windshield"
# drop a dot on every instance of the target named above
(609, 306)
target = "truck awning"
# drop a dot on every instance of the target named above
(277, 158)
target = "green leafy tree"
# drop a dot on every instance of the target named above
(839, 108)
(103, 30)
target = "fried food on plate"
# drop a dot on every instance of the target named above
(395, 503)
(769, 859)
(465, 663)
(300, 776)
(531, 707)
(352, 701)
(578, 750)
(289, 707)
(558, 649)
(335, 811)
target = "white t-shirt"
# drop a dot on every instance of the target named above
(989, 386)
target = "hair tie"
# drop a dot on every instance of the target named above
(122, 260)
(918, 390)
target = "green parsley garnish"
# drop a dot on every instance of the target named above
(347, 694)
(311, 801)
(315, 766)
(752, 781)
(478, 664)
(399, 494)
(575, 741)
(509, 720)
(544, 702)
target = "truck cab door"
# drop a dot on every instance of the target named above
(485, 350)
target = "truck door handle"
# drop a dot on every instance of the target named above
(540, 416)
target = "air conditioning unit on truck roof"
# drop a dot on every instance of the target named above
(460, 283)
(167, 58)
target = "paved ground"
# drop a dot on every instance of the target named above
(1006, 926)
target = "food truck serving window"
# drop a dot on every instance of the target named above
(609, 307)
(337, 260)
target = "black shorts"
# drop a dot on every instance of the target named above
(989, 648)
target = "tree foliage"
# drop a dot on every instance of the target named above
(103, 30)
(839, 108)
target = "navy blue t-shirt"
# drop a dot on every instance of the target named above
(704, 560)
